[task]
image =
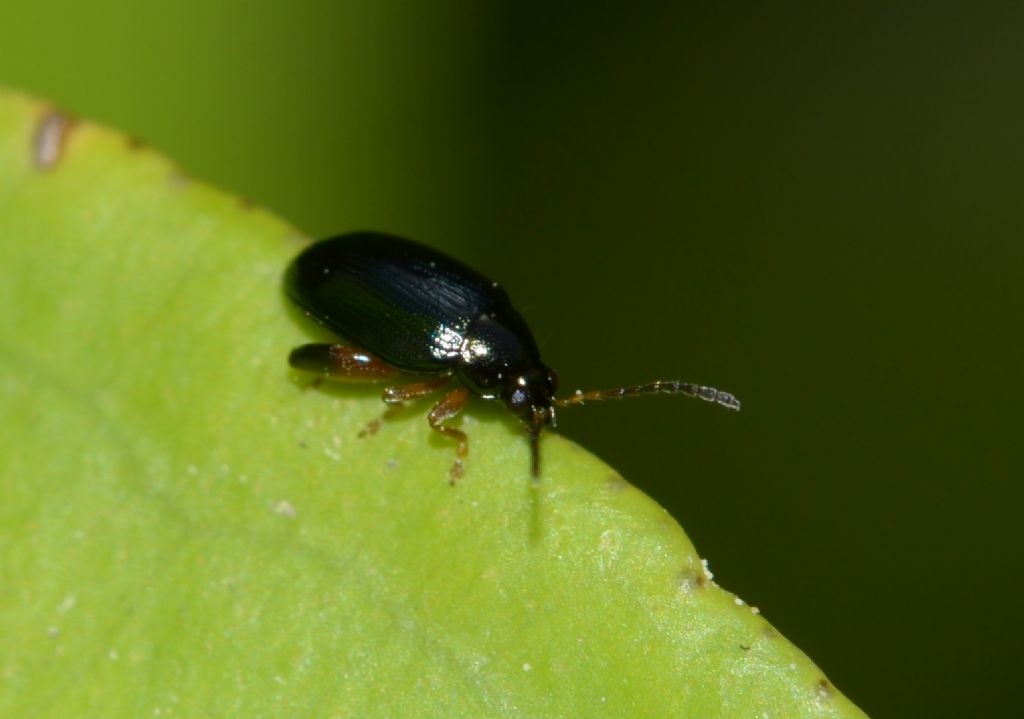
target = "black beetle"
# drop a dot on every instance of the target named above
(408, 309)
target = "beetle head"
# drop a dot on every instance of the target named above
(531, 393)
(499, 360)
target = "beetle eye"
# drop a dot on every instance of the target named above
(517, 400)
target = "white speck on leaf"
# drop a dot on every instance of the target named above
(67, 604)
(284, 508)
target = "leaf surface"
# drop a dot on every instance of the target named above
(189, 529)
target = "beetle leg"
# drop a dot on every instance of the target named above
(373, 425)
(449, 406)
(396, 395)
(341, 362)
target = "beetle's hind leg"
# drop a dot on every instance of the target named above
(449, 406)
(346, 364)
(341, 362)
(396, 395)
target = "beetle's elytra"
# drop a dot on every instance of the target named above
(405, 308)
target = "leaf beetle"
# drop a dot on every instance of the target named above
(403, 308)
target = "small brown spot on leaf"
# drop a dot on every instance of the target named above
(690, 580)
(824, 689)
(51, 138)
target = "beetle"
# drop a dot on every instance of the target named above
(403, 308)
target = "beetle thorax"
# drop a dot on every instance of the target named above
(495, 358)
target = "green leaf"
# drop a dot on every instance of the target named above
(189, 529)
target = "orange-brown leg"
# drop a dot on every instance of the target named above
(449, 406)
(396, 395)
(340, 362)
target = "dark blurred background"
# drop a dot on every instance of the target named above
(817, 206)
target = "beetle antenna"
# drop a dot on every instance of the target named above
(708, 394)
